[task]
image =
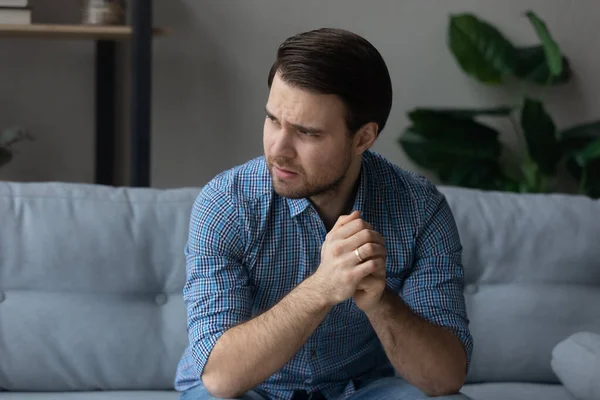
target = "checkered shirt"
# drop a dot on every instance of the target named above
(248, 247)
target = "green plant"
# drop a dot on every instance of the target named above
(9, 138)
(461, 150)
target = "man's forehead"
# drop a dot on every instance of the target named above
(293, 102)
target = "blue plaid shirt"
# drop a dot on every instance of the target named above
(248, 247)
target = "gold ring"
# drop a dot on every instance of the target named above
(358, 255)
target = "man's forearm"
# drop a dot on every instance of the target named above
(428, 356)
(249, 353)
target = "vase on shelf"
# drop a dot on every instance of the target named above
(103, 12)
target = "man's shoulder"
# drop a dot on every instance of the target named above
(242, 183)
(399, 183)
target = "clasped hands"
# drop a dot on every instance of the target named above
(352, 263)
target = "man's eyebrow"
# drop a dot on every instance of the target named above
(301, 128)
(270, 114)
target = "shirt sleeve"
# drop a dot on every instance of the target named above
(434, 289)
(216, 293)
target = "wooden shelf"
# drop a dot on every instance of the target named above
(140, 34)
(72, 31)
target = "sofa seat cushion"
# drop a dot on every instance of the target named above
(516, 391)
(97, 395)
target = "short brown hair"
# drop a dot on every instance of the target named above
(339, 62)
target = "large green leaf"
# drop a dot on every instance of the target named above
(590, 180)
(579, 136)
(480, 49)
(551, 49)
(532, 66)
(443, 143)
(5, 155)
(466, 113)
(474, 173)
(540, 135)
(437, 152)
(442, 124)
(588, 154)
(574, 141)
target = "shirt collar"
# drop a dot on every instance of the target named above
(298, 206)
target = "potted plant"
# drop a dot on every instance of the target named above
(8, 138)
(461, 150)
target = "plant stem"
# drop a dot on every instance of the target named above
(583, 181)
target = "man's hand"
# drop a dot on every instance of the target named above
(342, 272)
(370, 289)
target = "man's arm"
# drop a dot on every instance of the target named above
(424, 332)
(233, 352)
(428, 356)
(249, 353)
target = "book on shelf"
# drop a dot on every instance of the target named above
(14, 3)
(15, 16)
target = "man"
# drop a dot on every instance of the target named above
(322, 271)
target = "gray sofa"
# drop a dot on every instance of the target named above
(91, 280)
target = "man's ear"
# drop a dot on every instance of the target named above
(366, 136)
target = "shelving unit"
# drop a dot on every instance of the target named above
(71, 31)
(140, 34)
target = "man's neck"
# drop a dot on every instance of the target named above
(340, 201)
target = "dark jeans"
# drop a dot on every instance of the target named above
(391, 388)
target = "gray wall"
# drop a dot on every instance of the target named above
(210, 77)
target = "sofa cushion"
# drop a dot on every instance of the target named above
(516, 391)
(533, 278)
(129, 395)
(91, 282)
(576, 362)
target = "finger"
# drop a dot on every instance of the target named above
(380, 272)
(359, 241)
(366, 236)
(352, 227)
(367, 268)
(369, 251)
(344, 219)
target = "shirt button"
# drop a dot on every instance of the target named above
(313, 354)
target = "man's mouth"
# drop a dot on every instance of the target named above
(284, 173)
(285, 169)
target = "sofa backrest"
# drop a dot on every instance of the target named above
(532, 265)
(91, 282)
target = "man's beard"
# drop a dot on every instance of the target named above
(300, 190)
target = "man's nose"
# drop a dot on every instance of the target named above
(283, 145)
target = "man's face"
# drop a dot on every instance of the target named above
(306, 142)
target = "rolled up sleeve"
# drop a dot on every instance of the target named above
(434, 289)
(216, 293)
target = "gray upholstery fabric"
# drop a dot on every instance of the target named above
(91, 280)
(532, 265)
(576, 362)
(130, 395)
(516, 391)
